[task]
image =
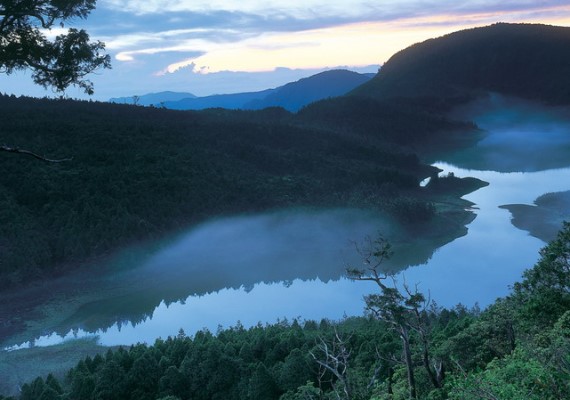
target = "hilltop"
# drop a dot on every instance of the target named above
(530, 61)
(295, 95)
(152, 98)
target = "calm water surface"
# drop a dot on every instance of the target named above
(476, 268)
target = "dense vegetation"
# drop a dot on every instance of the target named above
(523, 60)
(518, 348)
(141, 173)
(394, 122)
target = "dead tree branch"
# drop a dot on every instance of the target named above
(39, 157)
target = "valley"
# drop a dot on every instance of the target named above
(167, 222)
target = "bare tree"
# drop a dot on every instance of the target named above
(333, 356)
(404, 310)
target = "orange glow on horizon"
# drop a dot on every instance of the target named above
(357, 44)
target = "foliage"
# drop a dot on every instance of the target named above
(516, 376)
(544, 294)
(59, 63)
(139, 174)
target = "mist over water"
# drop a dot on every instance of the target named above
(245, 254)
(244, 268)
(242, 251)
(519, 136)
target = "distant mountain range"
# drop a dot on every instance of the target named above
(230, 101)
(153, 99)
(292, 96)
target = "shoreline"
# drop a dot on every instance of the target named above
(544, 218)
(49, 307)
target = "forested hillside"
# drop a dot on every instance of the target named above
(139, 173)
(518, 348)
(523, 60)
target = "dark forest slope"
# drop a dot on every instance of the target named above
(523, 60)
(140, 173)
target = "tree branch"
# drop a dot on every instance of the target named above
(21, 151)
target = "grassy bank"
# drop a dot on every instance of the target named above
(20, 366)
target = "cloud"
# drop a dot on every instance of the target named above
(246, 35)
(184, 64)
(164, 44)
(319, 9)
(301, 8)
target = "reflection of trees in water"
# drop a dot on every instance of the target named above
(285, 254)
(544, 219)
(178, 284)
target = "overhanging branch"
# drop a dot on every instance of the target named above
(22, 151)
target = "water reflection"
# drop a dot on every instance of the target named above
(475, 268)
(242, 255)
(544, 217)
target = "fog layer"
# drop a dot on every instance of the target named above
(519, 136)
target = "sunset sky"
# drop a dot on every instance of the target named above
(217, 46)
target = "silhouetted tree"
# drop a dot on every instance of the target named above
(59, 63)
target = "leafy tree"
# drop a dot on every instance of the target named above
(517, 376)
(304, 392)
(262, 385)
(53, 384)
(59, 63)
(544, 293)
(293, 371)
(32, 391)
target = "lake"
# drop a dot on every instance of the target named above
(263, 268)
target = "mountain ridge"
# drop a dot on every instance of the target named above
(295, 95)
(152, 98)
(291, 96)
(504, 58)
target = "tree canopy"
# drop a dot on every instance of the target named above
(59, 63)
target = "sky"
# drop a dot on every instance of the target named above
(209, 47)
